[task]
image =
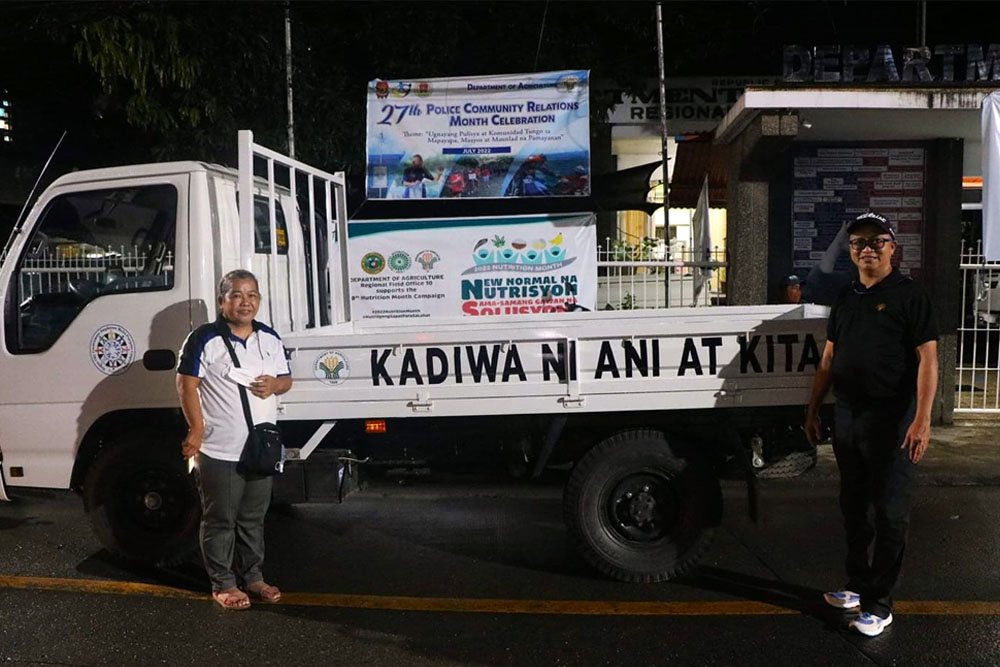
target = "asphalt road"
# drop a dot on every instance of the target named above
(483, 575)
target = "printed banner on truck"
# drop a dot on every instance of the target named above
(517, 135)
(448, 267)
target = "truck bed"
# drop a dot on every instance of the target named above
(561, 363)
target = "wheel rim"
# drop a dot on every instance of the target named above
(154, 499)
(642, 507)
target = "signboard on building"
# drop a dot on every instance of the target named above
(694, 104)
(834, 184)
(520, 135)
(480, 267)
(945, 63)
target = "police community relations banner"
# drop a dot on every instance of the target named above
(519, 135)
(482, 267)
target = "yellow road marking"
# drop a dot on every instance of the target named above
(97, 586)
(521, 606)
(494, 605)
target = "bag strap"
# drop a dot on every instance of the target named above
(236, 363)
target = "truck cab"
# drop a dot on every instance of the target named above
(112, 269)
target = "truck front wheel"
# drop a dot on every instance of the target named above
(142, 503)
(639, 510)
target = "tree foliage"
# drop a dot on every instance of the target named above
(145, 51)
(191, 74)
(187, 75)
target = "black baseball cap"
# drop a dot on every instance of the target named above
(875, 220)
(790, 280)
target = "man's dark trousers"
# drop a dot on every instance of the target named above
(875, 472)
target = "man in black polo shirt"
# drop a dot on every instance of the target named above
(881, 358)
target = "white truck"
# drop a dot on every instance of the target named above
(113, 267)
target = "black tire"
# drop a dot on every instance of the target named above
(638, 510)
(142, 503)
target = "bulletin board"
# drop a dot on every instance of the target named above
(831, 184)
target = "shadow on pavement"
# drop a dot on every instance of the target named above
(12, 523)
(805, 600)
(189, 575)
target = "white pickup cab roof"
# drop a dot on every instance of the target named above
(141, 170)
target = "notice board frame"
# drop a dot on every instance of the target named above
(899, 161)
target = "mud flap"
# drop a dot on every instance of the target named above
(3, 488)
(753, 490)
(328, 475)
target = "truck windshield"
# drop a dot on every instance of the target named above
(87, 245)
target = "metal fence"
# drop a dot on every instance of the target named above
(978, 374)
(66, 269)
(650, 275)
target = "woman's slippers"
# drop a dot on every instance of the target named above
(264, 592)
(233, 598)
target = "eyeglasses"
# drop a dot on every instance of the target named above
(876, 243)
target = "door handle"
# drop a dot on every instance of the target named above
(159, 360)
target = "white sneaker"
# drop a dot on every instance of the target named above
(870, 624)
(842, 599)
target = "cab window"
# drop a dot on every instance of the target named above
(262, 226)
(87, 245)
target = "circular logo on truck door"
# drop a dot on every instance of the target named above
(112, 349)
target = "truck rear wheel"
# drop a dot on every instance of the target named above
(142, 503)
(639, 510)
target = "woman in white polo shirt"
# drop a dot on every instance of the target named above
(233, 504)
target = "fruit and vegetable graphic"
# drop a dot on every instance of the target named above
(482, 253)
(499, 250)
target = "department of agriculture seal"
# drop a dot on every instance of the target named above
(331, 367)
(112, 349)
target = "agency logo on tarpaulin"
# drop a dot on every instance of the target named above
(112, 349)
(427, 259)
(331, 367)
(401, 89)
(519, 255)
(373, 263)
(381, 89)
(568, 83)
(399, 261)
(423, 89)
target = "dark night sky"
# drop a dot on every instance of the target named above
(340, 46)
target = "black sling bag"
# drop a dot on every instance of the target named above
(263, 452)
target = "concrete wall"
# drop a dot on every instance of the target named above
(942, 246)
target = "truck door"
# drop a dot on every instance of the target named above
(95, 304)
(285, 279)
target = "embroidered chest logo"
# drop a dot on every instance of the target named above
(112, 349)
